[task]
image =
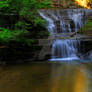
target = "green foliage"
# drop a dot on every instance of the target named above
(4, 4)
(26, 10)
(30, 8)
(38, 21)
(23, 25)
(7, 35)
(35, 4)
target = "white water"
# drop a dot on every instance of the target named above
(65, 49)
(90, 56)
(64, 21)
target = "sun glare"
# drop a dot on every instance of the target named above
(83, 3)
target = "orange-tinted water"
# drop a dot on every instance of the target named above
(46, 77)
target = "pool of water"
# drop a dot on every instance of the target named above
(47, 77)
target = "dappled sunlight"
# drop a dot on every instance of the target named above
(83, 3)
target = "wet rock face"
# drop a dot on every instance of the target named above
(86, 46)
(90, 14)
(87, 51)
(67, 20)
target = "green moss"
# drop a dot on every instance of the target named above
(87, 28)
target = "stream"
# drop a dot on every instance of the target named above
(69, 69)
(47, 77)
(66, 23)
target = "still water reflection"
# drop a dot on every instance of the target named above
(46, 77)
(69, 78)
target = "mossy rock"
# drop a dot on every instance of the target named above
(87, 28)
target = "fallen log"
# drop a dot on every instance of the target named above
(73, 34)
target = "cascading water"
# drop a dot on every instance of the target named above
(64, 21)
(90, 55)
(65, 49)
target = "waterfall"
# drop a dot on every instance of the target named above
(65, 49)
(90, 56)
(64, 22)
